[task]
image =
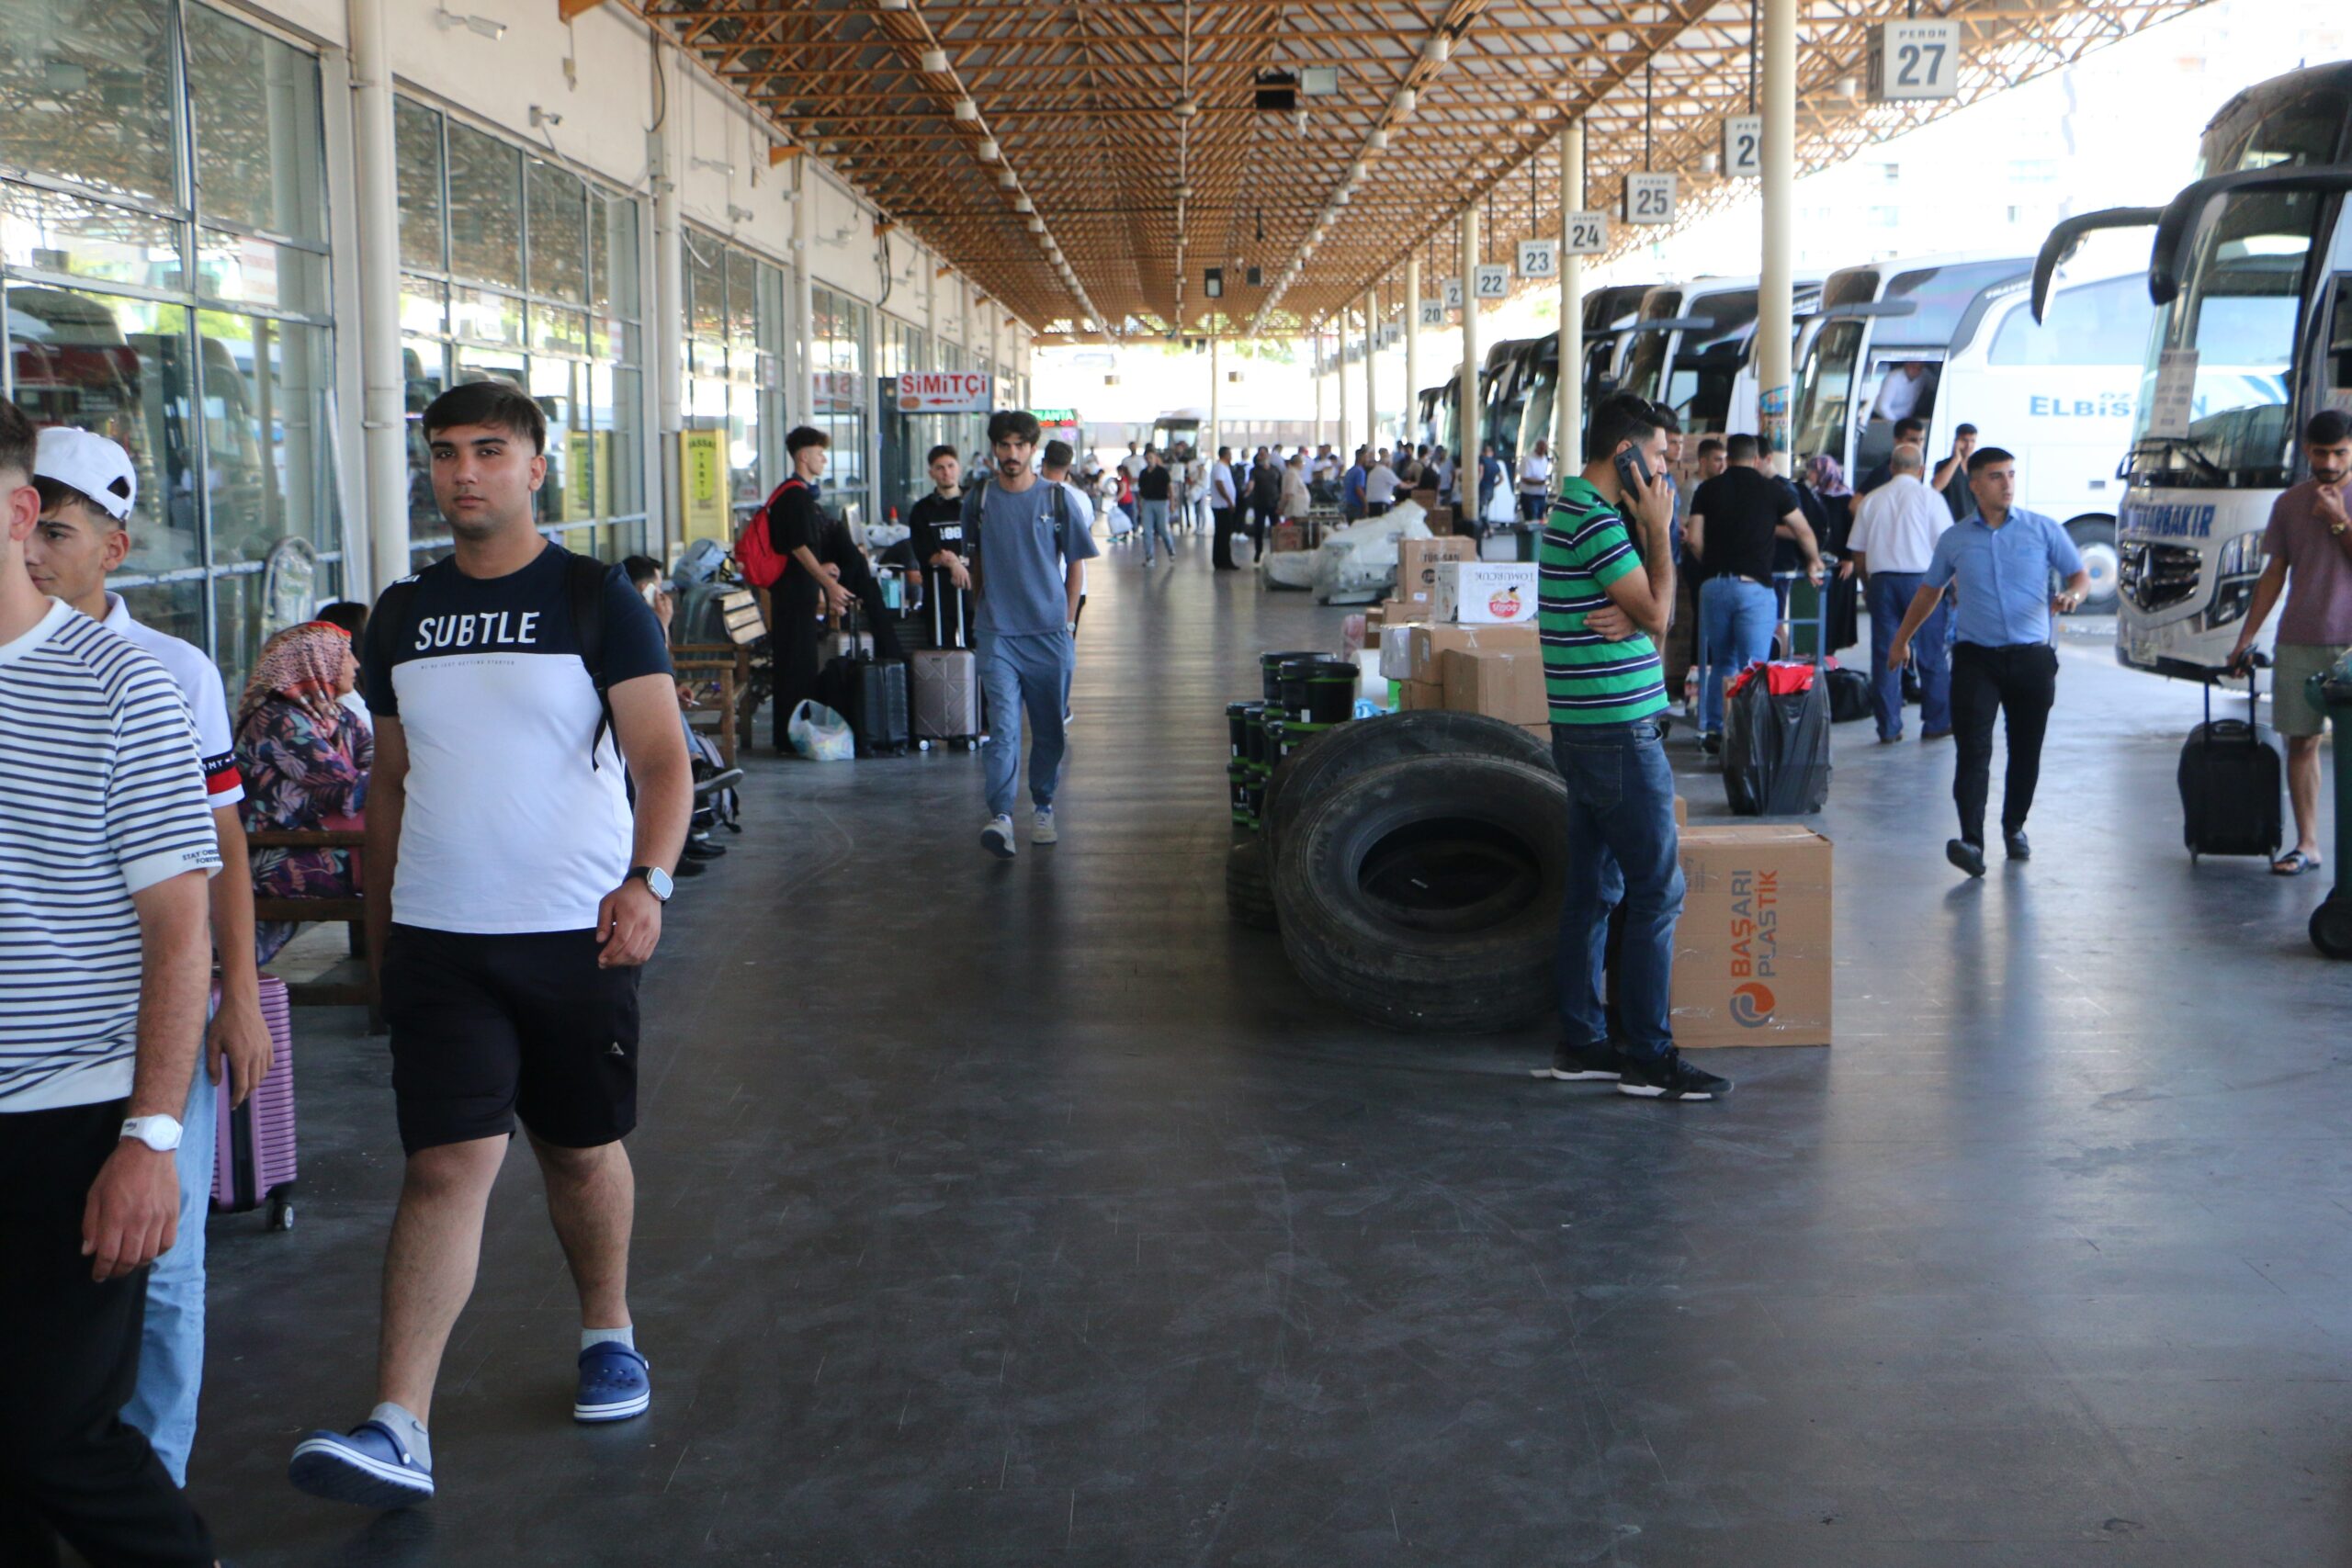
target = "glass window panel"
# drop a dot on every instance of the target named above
(237, 628)
(558, 331)
(485, 208)
(558, 234)
(493, 365)
(176, 609)
(46, 231)
(267, 433)
(424, 307)
(119, 367)
(742, 300)
(705, 358)
(561, 388)
(612, 254)
(256, 272)
(744, 447)
(425, 366)
(85, 93)
(416, 154)
(705, 288)
(625, 453)
(256, 103)
(477, 315)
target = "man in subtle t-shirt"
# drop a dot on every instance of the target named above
(2309, 543)
(106, 847)
(1031, 543)
(88, 489)
(513, 891)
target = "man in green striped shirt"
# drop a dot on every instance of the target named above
(1604, 594)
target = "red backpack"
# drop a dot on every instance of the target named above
(755, 546)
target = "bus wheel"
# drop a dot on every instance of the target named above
(2095, 539)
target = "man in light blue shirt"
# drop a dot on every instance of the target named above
(1998, 565)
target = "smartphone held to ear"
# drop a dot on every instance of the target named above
(1631, 464)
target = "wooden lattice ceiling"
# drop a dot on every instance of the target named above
(1109, 115)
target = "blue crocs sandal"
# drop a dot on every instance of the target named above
(367, 1467)
(612, 1383)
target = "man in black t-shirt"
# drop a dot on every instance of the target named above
(825, 567)
(1734, 520)
(1909, 431)
(941, 550)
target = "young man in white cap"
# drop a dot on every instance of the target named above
(89, 489)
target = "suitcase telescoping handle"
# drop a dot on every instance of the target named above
(2254, 659)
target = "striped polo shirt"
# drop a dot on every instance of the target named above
(1584, 549)
(101, 796)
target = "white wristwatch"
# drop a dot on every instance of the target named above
(161, 1134)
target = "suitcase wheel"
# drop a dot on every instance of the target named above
(2332, 927)
(281, 1214)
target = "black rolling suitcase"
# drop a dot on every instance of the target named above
(2230, 776)
(871, 693)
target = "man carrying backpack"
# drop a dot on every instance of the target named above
(513, 893)
(823, 566)
(1030, 542)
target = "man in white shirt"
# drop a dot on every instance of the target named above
(1379, 488)
(1893, 541)
(1907, 388)
(89, 489)
(106, 846)
(1224, 509)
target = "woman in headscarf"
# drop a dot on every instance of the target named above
(305, 760)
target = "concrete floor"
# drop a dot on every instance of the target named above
(1023, 1213)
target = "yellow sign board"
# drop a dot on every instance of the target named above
(702, 477)
(579, 499)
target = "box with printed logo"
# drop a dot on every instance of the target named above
(1751, 954)
(1491, 594)
(1416, 564)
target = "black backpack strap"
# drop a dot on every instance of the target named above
(585, 579)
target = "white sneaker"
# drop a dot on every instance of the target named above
(1042, 831)
(997, 838)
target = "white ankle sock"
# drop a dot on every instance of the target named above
(407, 1429)
(589, 1336)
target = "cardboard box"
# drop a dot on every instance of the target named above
(1509, 686)
(1397, 652)
(1412, 694)
(1441, 522)
(1416, 564)
(1681, 812)
(1477, 593)
(1286, 536)
(1751, 954)
(1432, 641)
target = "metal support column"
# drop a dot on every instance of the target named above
(1412, 352)
(1216, 390)
(804, 296)
(1775, 305)
(667, 337)
(1315, 374)
(1339, 374)
(384, 388)
(1466, 429)
(1370, 358)
(1567, 404)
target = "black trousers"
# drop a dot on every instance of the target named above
(1226, 518)
(2017, 684)
(793, 635)
(70, 1466)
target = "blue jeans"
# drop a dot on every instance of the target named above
(1890, 595)
(1029, 671)
(1622, 848)
(1736, 621)
(171, 1347)
(1155, 529)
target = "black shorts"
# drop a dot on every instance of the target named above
(487, 1028)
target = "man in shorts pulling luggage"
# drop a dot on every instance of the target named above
(512, 898)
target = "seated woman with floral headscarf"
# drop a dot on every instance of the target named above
(305, 761)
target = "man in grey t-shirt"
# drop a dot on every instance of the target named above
(1029, 542)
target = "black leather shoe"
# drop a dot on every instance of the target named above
(2018, 847)
(1969, 857)
(690, 868)
(703, 849)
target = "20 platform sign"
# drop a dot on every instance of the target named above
(1432, 312)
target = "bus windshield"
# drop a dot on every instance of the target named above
(1535, 419)
(1826, 389)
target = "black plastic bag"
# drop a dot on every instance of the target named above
(1776, 749)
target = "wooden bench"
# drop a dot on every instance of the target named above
(739, 695)
(351, 911)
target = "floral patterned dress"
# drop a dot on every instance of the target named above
(299, 773)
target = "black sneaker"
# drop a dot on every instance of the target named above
(1712, 743)
(2018, 847)
(1601, 1062)
(1670, 1077)
(1969, 857)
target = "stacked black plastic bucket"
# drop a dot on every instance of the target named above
(1306, 694)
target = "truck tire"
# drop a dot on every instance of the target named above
(2094, 541)
(1249, 895)
(1424, 895)
(1337, 755)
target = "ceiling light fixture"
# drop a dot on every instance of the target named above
(1022, 203)
(934, 60)
(1007, 178)
(1407, 101)
(965, 109)
(1437, 49)
(989, 150)
(1378, 139)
